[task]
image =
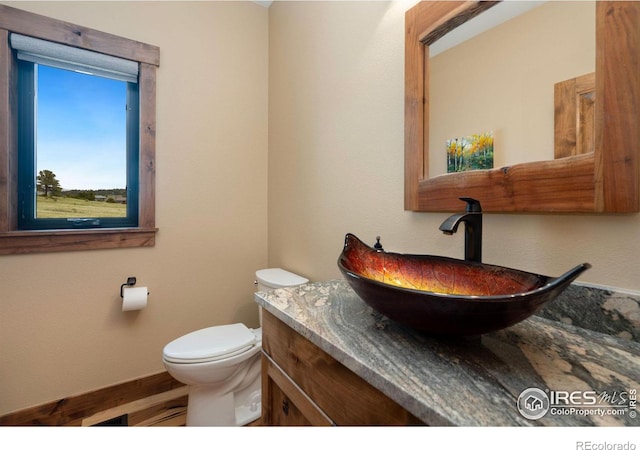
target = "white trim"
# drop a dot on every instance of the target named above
(265, 4)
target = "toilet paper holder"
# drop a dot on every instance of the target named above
(131, 281)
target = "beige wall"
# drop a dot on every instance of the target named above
(61, 330)
(335, 165)
(336, 158)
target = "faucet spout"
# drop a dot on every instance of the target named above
(450, 226)
(472, 218)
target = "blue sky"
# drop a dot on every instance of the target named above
(81, 129)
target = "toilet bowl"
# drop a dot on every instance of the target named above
(221, 365)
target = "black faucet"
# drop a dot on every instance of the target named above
(472, 218)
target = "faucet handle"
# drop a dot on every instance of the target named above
(473, 205)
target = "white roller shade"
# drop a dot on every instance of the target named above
(65, 57)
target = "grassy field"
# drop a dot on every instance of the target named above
(73, 207)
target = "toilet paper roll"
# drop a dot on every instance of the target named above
(134, 298)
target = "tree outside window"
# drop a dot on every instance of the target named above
(48, 184)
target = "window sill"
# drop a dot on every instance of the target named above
(23, 242)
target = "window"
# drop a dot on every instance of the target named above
(77, 138)
(26, 177)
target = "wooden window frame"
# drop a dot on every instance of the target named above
(15, 241)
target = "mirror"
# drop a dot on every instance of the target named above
(502, 79)
(605, 180)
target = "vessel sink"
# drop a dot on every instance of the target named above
(446, 296)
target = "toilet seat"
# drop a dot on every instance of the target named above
(210, 344)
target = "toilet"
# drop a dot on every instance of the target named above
(221, 365)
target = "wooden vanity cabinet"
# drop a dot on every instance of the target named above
(303, 385)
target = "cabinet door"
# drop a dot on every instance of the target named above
(284, 403)
(336, 391)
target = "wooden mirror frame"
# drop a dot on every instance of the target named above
(604, 181)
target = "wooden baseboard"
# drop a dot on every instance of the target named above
(168, 408)
(156, 400)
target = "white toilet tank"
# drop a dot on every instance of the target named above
(268, 279)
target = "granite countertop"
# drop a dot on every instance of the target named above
(469, 381)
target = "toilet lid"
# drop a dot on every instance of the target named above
(209, 344)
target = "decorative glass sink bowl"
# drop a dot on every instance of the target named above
(447, 296)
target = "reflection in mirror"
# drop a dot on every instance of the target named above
(496, 15)
(502, 80)
(604, 179)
